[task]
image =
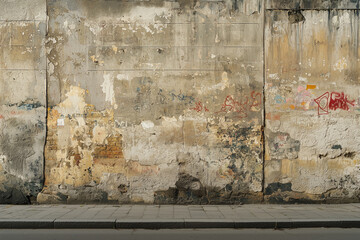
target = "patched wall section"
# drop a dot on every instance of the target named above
(22, 99)
(154, 101)
(312, 101)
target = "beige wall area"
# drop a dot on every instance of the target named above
(179, 101)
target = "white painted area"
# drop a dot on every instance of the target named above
(108, 88)
(220, 86)
(147, 124)
(122, 77)
(61, 122)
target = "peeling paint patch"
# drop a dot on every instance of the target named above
(147, 124)
(108, 88)
(282, 146)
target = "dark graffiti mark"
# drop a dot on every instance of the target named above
(333, 101)
(181, 97)
(27, 105)
(337, 146)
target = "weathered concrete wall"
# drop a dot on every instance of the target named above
(312, 102)
(22, 99)
(154, 101)
(162, 101)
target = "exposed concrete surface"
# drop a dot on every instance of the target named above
(155, 101)
(22, 99)
(312, 108)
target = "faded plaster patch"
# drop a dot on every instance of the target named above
(74, 102)
(147, 15)
(147, 124)
(108, 88)
(220, 86)
(99, 134)
(69, 27)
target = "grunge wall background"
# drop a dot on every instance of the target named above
(180, 102)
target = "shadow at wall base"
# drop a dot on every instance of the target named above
(14, 196)
(189, 197)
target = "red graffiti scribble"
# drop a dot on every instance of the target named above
(241, 107)
(1, 116)
(231, 105)
(339, 100)
(322, 101)
(256, 102)
(333, 101)
(199, 107)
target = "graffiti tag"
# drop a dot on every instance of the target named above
(242, 107)
(333, 101)
(199, 106)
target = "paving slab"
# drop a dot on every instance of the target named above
(180, 216)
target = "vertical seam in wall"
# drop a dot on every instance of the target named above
(46, 90)
(264, 111)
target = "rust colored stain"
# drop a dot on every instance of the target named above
(272, 116)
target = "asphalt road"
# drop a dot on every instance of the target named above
(199, 234)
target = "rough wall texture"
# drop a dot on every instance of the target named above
(22, 99)
(312, 104)
(312, 4)
(162, 101)
(154, 101)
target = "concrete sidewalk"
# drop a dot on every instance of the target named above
(175, 216)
